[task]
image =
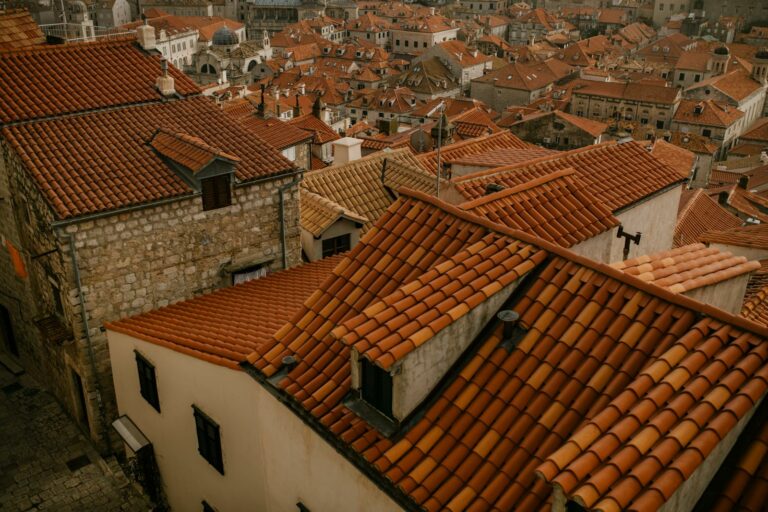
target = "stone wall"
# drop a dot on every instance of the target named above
(132, 262)
(542, 131)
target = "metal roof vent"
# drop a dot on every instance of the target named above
(491, 188)
(512, 331)
(289, 362)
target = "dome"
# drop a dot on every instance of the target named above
(225, 37)
(721, 50)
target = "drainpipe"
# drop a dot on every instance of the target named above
(281, 204)
(89, 341)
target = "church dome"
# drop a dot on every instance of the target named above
(225, 36)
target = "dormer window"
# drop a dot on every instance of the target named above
(217, 192)
(376, 387)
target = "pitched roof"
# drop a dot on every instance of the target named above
(687, 267)
(736, 84)
(553, 207)
(502, 156)
(757, 131)
(678, 158)
(275, 132)
(707, 113)
(500, 140)
(321, 131)
(358, 187)
(87, 76)
(191, 152)
(18, 30)
(746, 203)
(596, 344)
(699, 214)
(754, 236)
(103, 161)
(634, 91)
(618, 174)
(592, 127)
(319, 213)
(694, 61)
(528, 77)
(224, 326)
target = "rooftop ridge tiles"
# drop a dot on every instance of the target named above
(547, 178)
(546, 158)
(602, 268)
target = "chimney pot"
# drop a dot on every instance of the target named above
(164, 82)
(743, 182)
(722, 198)
(145, 35)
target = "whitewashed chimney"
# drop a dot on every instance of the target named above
(145, 35)
(165, 82)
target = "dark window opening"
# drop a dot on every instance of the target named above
(377, 387)
(217, 192)
(706, 132)
(336, 245)
(82, 404)
(208, 440)
(659, 124)
(207, 507)
(147, 381)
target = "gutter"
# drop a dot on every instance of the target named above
(84, 316)
(281, 209)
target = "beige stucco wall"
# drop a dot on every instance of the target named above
(272, 460)
(655, 218)
(727, 295)
(598, 247)
(750, 253)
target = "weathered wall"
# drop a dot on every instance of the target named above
(598, 247)
(750, 253)
(499, 98)
(727, 295)
(537, 130)
(655, 218)
(272, 460)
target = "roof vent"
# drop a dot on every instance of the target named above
(491, 188)
(289, 362)
(722, 198)
(743, 182)
(512, 331)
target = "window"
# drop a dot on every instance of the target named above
(249, 274)
(397, 42)
(706, 132)
(377, 387)
(696, 78)
(406, 43)
(147, 381)
(425, 44)
(208, 439)
(216, 192)
(682, 76)
(290, 153)
(659, 124)
(336, 245)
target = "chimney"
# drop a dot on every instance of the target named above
(209, 10)
(297, 108)
(764, 157)
(164, 82)
(145, 35)
(743, 182)
(347, 149)
(262, 105)
(722, 198)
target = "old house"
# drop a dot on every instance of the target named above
(556, 129)
(715, 120)
(447, 363)
(464, 63)
(120, 200)
(413, 35)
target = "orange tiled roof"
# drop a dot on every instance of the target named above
(358, 186)
(500, 140)
(744, 202)
(87, 76)
(757, 131)
(321, 131)
(680, 159)
(617, 174)
(191, 152)
(102, 161)
(319, 213)
(755, 236)
(275, 132)
(688, 267)
(223, 327)
(699, 214)
(710, 113)
(18, 30)
(503, 156)
(553, 207)
(600, 349)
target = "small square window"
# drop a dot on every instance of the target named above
(706, 132)
(336, 245)
(208, 440)
(659, 125)
(147, 381)
(217, 192)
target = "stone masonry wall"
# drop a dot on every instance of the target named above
(130, 263)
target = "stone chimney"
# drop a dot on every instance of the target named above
(743, 182)
(164, 82)
(347, 149)
(145, 35)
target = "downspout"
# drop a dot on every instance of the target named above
(89, 342)
(281, 207)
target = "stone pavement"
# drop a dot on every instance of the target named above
(46, 463)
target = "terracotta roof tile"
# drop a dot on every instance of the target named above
(18, 30)
(322, 132)
(755, 236)
(699, 214)
(688, 267)
(224, 326)
(501, 157)
(319, 213)
(755, 307)
(745, 203)
(603, 356)
(277, 133)
(188, 151)
(88, 76)
(676, 157)
(501, 140)
(707, 113)
(617, 174)
(357, 186)
(553, 207)
(103, 161)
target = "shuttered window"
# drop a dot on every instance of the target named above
(147, 381)
(217, 192)
(208, 440)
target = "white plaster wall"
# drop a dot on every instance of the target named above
(727, 295)
(655, 218)
(598, 247)
(272, 460)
